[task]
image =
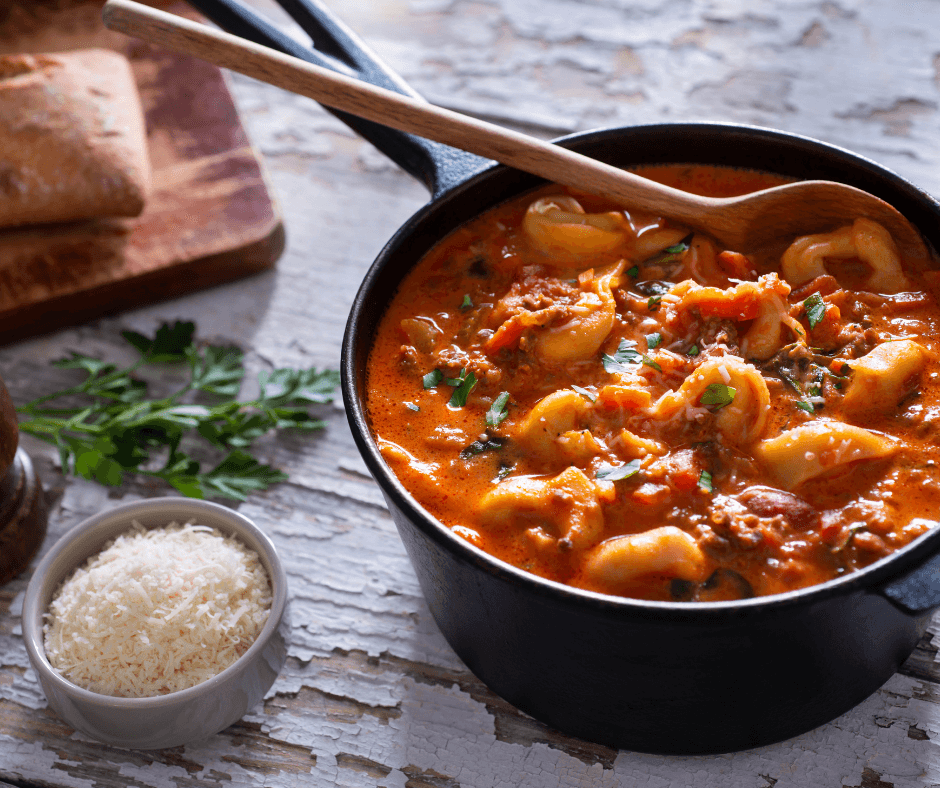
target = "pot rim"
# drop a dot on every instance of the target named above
(870, 578)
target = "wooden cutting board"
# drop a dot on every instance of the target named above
(209, 219)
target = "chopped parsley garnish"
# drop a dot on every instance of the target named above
(654, 340)
(651, 287)
(852, 530)
(678, 248)
(627, 354)
(813, 389)
(432, 378)
(790, 380)
(467, 303)
(634, 271)
(815, 310)
(588, 395)
(693, 351)
(718, 394)
(705, 481)
(614, 473)
(653, 303)
(478, 447)
(498, 412)
(504, 471)
(412, 406)
(465, 384)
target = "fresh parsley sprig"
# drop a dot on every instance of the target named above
(118, 429)
(717, 394)
(627, 354)
(614, 473)
(815, 309)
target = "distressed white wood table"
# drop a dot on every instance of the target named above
(371, 694)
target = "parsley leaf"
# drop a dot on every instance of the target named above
(467, 303)
(464, 385)
(815, 390)
(653, 303)
(654, 340)
(678, 248)
(588, 395)
(705, 482)
(169, 344)
(626, 354)
(633, 271)
(478, 447)
(216, 370)
(693, 351)
(717, 394)
(119, 429)
(433, 377)
(504, 471)
(498, 411)
(614, 473)
(815, 310)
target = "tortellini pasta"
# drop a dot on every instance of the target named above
(866, 240)
(667, 549)
(554, 421)
(882, 377)
(564, 507)
(591, 320)
(743, 419)
(819, 447)
(559, 226)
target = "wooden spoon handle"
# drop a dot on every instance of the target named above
(340, 92)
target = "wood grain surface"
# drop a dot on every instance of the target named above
(371, 694)
(209, 218)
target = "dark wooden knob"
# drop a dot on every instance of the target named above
(22, 506)
(9, 430)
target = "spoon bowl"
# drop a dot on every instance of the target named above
(742, 223)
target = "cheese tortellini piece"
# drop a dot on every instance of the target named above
(744, 418)
(558, 226)
(666, 550)
(819, 447)
(592, 319)
(882, 377)
(552, 428)
(871, 243)
(565, 506)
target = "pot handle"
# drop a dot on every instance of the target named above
(337, 48)
(918, 591)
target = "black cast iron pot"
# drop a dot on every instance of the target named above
(651, 676)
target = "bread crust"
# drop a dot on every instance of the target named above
(73, 142)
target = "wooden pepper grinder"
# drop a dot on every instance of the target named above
(22, 506)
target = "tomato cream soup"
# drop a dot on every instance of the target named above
(609, 400)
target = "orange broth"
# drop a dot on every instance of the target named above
(649, 415)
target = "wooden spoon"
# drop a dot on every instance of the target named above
(742, 223)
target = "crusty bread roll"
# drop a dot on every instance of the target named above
(72, 138)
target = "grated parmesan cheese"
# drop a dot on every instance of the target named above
(157, 611)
